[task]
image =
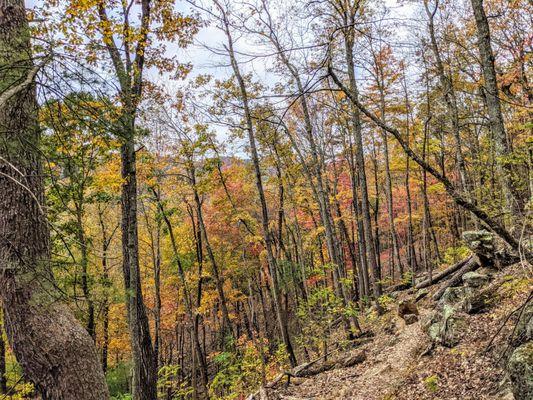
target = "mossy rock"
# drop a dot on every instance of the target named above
(445, 327)
(480, 237)
(453, 296)
(482, 244)
(478, 300)
(520, 370)
(474, 279)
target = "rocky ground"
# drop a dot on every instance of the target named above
(461, 347)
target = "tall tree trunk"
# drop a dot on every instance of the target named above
(105, 306)
(129, 74)
(200, 259)
(360, 163)
(411, 253)
(84, 262)
(377, 241)
(144, 362)
(490, 91)
(388, 176)
(157, 294)
(448, 93)
(348, 295)
(155, 250)
(189, 308)
(55, 352)
(356, 208)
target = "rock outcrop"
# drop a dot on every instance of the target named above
(474, 279)
(520, 370)
(444, 327)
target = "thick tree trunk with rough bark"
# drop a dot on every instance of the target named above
(3, 378)
(55, 352)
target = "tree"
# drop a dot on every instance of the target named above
(494, 225)
(491, 93)
(345, 16)
(75, 142)
(267, 233)
(448, 93)
(129, 48)
(56, 353)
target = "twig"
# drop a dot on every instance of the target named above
(521, 308)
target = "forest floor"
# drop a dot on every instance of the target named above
(399, 366)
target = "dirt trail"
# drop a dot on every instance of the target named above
(390, 359)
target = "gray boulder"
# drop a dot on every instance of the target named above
(453, 296)
(445, 327)
(477, 301)
(480, 242)
(520, 370)
(475, 279)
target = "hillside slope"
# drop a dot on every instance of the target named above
(401, 362)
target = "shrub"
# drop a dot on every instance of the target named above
(118, 381)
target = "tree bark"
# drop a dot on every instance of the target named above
(443, 274)
(55, 352)
(106, 302)
(129, 74)
(144, 368)
(200, 259)
(471, 264)
(84, 263)
(155, 250)
(3, 378)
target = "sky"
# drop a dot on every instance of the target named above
(204, 61)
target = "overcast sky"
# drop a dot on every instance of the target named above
(205, 61)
